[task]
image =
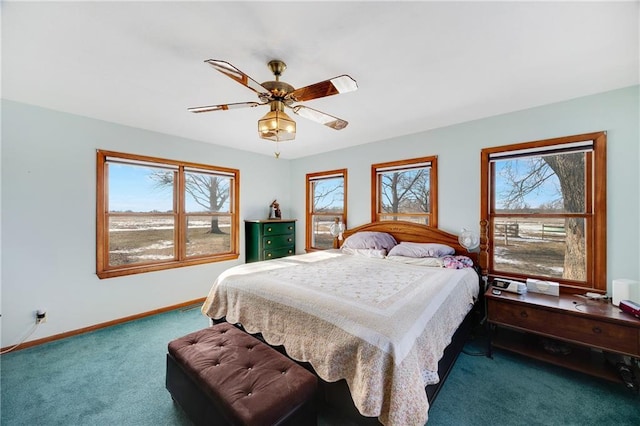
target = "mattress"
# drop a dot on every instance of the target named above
(380, 325)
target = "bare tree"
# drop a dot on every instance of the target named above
(570, 171)
(327, 196)
(405, 190)
(209, 191)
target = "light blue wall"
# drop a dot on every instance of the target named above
(48, 199)
(49, 225)
(458, 150)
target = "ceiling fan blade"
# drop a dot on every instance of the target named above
(230, 71)
(224, 107)
(334, 86)
(320, 117)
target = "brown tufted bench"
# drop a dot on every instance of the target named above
(223, 376)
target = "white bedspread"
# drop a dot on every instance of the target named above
(381, 325)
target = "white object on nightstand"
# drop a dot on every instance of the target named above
(624, 289)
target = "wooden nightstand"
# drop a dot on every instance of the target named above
(518, 321)
(269, 239)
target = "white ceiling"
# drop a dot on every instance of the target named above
(419, 65)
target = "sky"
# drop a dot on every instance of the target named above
(132, 189)
(546, 193)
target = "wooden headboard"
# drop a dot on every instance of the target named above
(416, 233)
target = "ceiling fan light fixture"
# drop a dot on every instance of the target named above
(276, 125)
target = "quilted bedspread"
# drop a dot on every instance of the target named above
(380, 325)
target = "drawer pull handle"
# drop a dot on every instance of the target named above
(268, 229)
(268, 241)
(289, 239)
(290, 251)
(268, 254)
(597, 330)
(290, 228)
(523, 314)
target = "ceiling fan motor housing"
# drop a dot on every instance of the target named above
(279, 90)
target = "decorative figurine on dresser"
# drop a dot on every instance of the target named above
(274, 212)
(269, 238)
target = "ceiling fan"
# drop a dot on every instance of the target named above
(276, 125)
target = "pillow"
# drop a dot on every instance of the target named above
(421, 250)
(370, 240)
(435, 262)
(375, 253)
(457, 262)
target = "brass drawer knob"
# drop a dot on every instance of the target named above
(289, 239)
(268, 254)
(268, 229)
(290, 228)
(290, 251)
(268, 241)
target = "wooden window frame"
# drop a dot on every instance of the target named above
(310, 177)
(406, 165)
(104, 270)
(595, 219)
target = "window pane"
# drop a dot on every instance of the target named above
(321, 238)
(207, 192)
(405, 191)
(208, 235)
(531, 185)
(424, 220)
(140, 239)
(548, 247)
(140, 189)
(328, 195)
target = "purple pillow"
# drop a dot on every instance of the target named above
(421, 250)
(370, 240)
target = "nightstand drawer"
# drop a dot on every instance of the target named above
(277, 241)
(277, 228)
(581, 330)
(276, 253)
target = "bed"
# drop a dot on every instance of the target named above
(384, 330)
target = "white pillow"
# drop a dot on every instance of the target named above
(435, 262)
(375, 253)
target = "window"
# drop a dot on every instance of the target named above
(405, 190)
(155, 214)
(545, 206)
(326, 201)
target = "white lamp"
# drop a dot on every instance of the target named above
(468, 239)
(337, 228)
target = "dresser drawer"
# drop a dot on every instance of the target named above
(587, 331)
(278, 241)
(278, 252)
(277, 228)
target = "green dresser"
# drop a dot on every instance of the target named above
(269, 239)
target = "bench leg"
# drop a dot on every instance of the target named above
(190, 398)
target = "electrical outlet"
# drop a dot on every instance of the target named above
(41, 316)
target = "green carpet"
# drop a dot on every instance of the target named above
(514, 390)
(115, 376)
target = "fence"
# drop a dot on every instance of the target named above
(553, 230)
(507, 230)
